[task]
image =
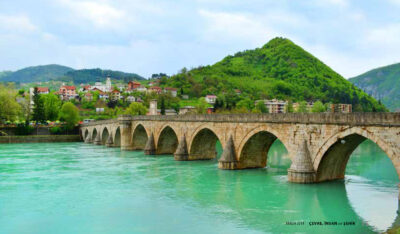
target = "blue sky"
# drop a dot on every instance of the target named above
(152, 36)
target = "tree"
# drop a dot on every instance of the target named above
(246, 103)
(136, 108)
(302, 107)
(9, 107)
(318, 107)
(39, 114)
(201, 107)
(52, 105)
(162, 107)
(261, 108)
(289, 107)
(70, 114)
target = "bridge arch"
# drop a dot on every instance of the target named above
(167, 141)
(85, 134)
(104, 135)
(94, 134)
(332, 157)
(253, 149)
(117, 137)
(203, 144)
(139, 137)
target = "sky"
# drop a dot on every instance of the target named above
(153, 36)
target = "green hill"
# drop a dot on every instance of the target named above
(93, 75)
(382, 83)
(36, 74)
(280, 69)
(63, 73)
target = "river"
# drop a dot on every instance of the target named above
(83, 188)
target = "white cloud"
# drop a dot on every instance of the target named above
(16, 23)
(224, 26)
(99, 14)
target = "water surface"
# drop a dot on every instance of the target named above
(82, 188)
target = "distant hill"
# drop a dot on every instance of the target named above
(63, 73)
(93, 75)
(280, 69)
(36, 74)
(382, 83)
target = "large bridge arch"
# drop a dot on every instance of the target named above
(104, 135)
(203, 144)
(253, 149)
(167, 140)
(139, 137)
(94, 133)
(117, 137)
(85, 133)
(331, 159)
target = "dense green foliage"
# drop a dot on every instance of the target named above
(63, 73)
(94, 75)
(280, 69)
(136, 108)
(37, 73)
(38, 114)
(9, 108)
(70, 114)
(383, 84)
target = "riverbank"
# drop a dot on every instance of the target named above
(39, 139)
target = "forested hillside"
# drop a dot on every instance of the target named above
(93, 75)
(280, 69)
(382, 83)
(36, 74)
(62, 73)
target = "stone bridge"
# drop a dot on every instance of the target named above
(319, 145)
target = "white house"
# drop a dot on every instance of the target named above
(131, 99)
(211, 99)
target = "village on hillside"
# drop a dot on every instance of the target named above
(104, 100)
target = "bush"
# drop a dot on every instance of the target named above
(23, 129)
(56, 130)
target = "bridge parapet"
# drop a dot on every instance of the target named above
(353, 119)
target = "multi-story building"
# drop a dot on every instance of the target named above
(155, 89)
(67, 92)
(274, 105)
(341, 108)
(115, 95)
(133, 85)
(172, 91)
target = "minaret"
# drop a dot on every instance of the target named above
(108, 85)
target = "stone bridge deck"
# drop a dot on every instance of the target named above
(318, 144)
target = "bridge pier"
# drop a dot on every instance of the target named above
(109, 142)
(97, 140)
(228, 159)
(181, 153)
(125, 131)
(88, 139)
(150, 148)
(302, 171)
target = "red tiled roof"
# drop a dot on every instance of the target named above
(115, 91)
(171, 89)
(42, 89)
(211, 96)
(88, 94)
(155, 87)
(68, 87)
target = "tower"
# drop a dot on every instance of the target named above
(153, 107)
(108, 85)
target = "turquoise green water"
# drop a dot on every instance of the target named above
(81, 188)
